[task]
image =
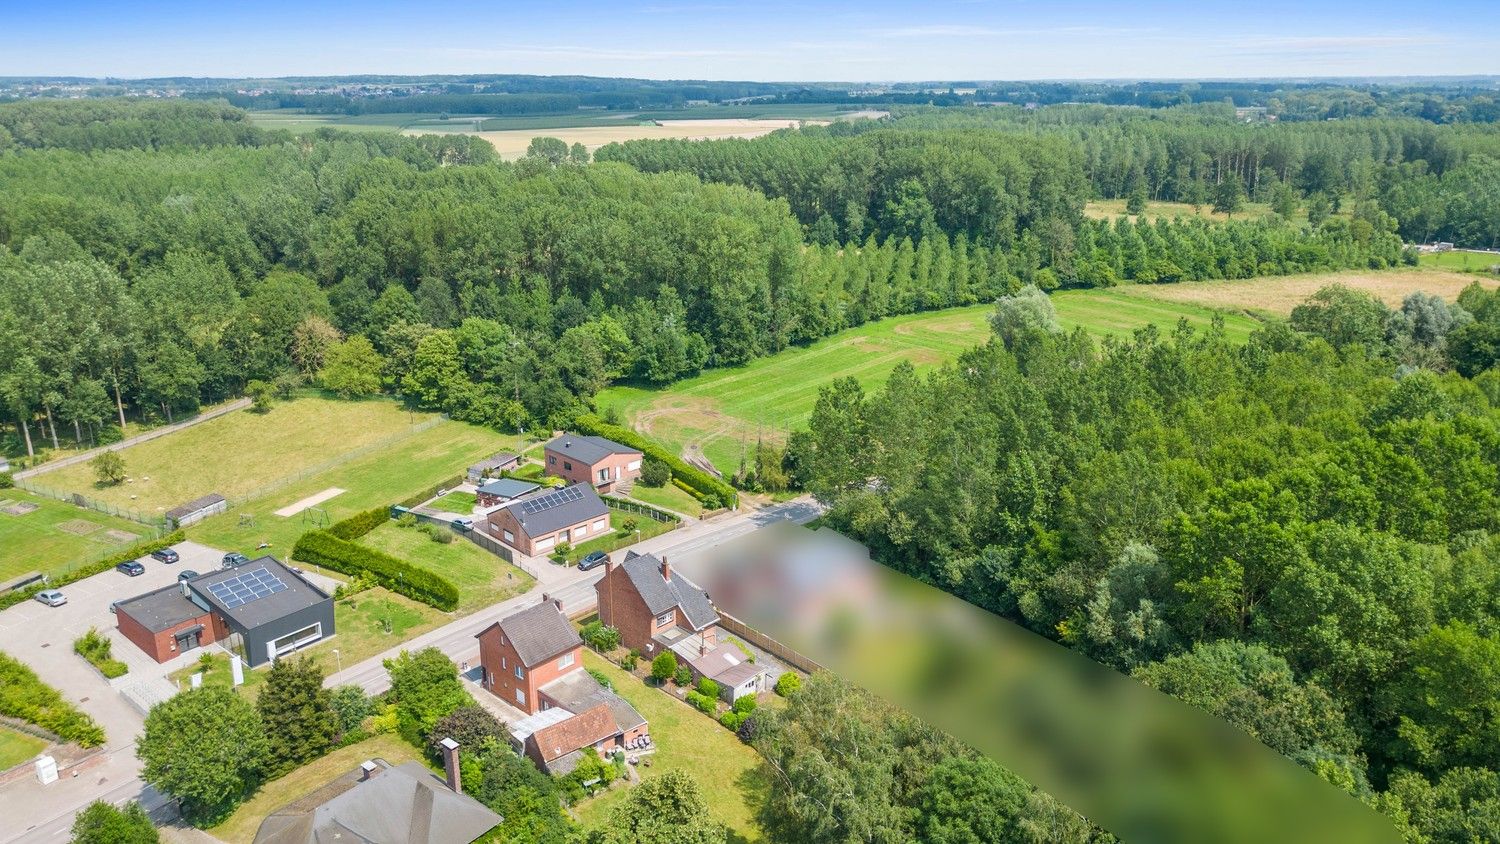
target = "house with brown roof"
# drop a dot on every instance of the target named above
(533, 660)
(656, 608)
(537, 523)
(601, 463)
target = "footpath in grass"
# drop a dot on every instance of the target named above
(55, 537)
(733, 777)
(482, 578)
(378, 478)
(242, 452)
(17, 747)
(240, 827)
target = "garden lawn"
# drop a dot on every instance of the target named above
(241, 826)
(482, 578)
(617, 538)
(17, 747)
(219, 674)
(361, 621)
(461, 503)
(670, 497)
(376, 479)
(733, 777)
(241, 453)
(34, 542)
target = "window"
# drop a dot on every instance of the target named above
(503, 665)
(521, 696)
(599, 524)
(520, 672)
(604, 474)
(665, 618)
(567, 465)
(509, 537)
(292, 641)
(581, 530)
(634, 465)
(565, 660)
(544, 544)
(551, 460)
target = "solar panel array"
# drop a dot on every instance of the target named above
(552, 499)
(244, 588)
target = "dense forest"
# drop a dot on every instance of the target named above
(1301, 534)
(162, 255)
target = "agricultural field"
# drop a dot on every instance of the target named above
(379, 477)
(481, 577)
(299, 122)
(732, 775)
(241, 453)
(1277, 296)
(56, 536)
(1108, 209)
(721, 412)
(1461, 260)
(512, 143)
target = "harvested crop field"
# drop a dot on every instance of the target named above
(512, 143)
(1279, 295)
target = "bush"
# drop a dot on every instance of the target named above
(664, 666)
(655, 472)
(708, 688)
(386, 721)
(6, 481)
(324, 549)
(362, 523)
(749, 728)
(351, 706)
(109, 468)
(788, 683)
(262, 395)
(703, 703)
(407, 520)
(470, 725)
(745, 705)
(601, 678)
(695, 478)
(628, 662)
(440, 535)
(600, 636)
(23, 695)
(96, 648)
(16, 596)
(684, 676)
(732, 720)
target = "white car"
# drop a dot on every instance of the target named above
(51, 597)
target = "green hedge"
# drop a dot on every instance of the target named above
(699, 483)
(10, 599)
(23, 695)
(430, 492)
(96, 648)
(360, 523)
(321, 548)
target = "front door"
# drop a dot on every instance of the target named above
(188, 641)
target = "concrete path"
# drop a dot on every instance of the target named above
(237, 404)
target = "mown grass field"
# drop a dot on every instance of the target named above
(670, 497)
(730, 773)
(376, 478)
(723, 411)
(482, 578)
(1461, 260)
(37, 541)
(240, 453)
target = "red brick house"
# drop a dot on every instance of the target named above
(165, 623)
(596, 461)
(533, 660)
(537, 523)
(656, 608)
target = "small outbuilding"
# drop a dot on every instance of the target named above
(197, 510)
(493, 466)
(500, 490)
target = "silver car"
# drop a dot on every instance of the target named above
(51, 597)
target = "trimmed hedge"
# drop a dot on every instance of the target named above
(23, 695)
(360, 523)
(693, 477)
(10, 599)
(321, 548)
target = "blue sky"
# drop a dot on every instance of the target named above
(813, 40)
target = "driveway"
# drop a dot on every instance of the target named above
(42, 637)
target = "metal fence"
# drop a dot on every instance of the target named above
(643, 509)
(80, 500)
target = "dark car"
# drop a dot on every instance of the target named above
(132, 568)
(165, 555)
(234, 558)
(593, 559)
(186, 575)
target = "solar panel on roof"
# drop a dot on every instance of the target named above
(552, 499)
(245, 587)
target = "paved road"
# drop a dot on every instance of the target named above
(26, 821)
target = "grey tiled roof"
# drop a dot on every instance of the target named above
(588, 449)
(538, 633)
(644, 571)
(578, 691)
(542, 513)
(507, 487)
(406, 804)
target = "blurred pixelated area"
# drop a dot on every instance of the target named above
(1142, 765)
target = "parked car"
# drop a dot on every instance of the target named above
(51, 597)
(132, 568)
(186, 575)
(165, 555)
(463, 524)
(593, 559)
(234, 558)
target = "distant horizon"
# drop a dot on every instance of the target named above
(771, 41)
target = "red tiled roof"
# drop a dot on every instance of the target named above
(585, 729)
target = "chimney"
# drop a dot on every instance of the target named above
(710, 636)
(450, 765)
(368, 769)
(666, 570)
(609, 564)
(703, 648)
(557, 602)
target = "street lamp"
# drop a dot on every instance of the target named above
(339, 658)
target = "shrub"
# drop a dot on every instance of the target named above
(351, 706)
(324, 549)
(561, 552)
(664, 666)
(703, 703)
(684, 676)
(629, 660)
(262, 395)
(708, 688)
(470, 725)
(6, 481)
(749, 728)
(732, 720)
(745, 705)
(16, 596)
(96, 647)
(600, 636)
(386, 721)
(362, 523)
(407, 520)
(655, 472)
(601, 678)
(788, 683)
(109, 468)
